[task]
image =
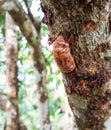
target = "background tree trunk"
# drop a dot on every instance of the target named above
(12, 118)
(3, 102)
(10, 102)
(88, 86)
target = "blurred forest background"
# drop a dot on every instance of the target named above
(60, 114)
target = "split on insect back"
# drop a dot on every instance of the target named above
(61, 53)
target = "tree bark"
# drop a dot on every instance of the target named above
(87, 24)
(31, 30)
(12, 118)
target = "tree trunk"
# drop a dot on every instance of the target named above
(11, 101)
(3, 102)
(86, 26)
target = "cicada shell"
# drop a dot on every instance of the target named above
(62, 55)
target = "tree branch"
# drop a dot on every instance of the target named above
(21, 19)
(29, 30)
(36, 22)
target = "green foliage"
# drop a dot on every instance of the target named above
(44, 30)
(2, 24)
(2, 120)
(2, 54)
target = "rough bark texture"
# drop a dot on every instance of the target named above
(31, 30)
(12, 118)
(88, 87)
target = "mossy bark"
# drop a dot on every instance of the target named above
(89, 86)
